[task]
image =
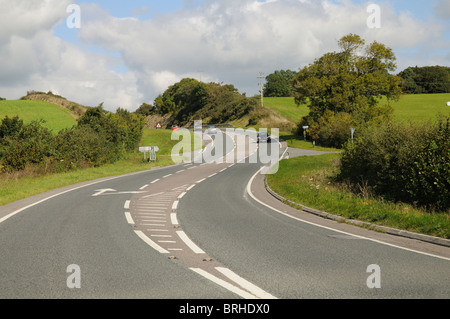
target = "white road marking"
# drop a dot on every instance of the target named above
(224, 284)
(127, 204)
(258, 292)
(200, 181)
(191, 187)
(180, 171)
(162, 236)
(167, 241)
(153, 195)
(143, 187)
(212, 175)
(155, 181)
(174, 219)
(129, 218)
(189, 242)
(150, 242)
(167, 175)
(249, 191)
(181, 195)
(175, 205)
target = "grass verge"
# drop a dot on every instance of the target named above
(308, 181)
(20, 185)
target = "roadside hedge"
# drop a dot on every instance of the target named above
(100, 137)
(402, 162)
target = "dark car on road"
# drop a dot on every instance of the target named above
(264, 137)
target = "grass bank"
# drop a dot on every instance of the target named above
(308, 181)
(20, 185)
(56, 118)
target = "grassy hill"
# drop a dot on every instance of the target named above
(414, 107)
(56, 118)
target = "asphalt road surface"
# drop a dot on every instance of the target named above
(202, 231)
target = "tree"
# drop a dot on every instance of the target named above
(428, 79)
(278, 84)
(350, 81)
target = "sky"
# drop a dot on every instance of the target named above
(125, 53)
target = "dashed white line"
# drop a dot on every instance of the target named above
(175, 205)
(174, 219)
(127, 204)
(200, 181)
(167, 175)
(181, 195)
(129, 218)
(143, 187)
(191, 187)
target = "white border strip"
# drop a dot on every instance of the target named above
(150, 242)
(189, 242)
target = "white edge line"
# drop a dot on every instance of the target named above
(127, 204)
(258, 292)
(189, 242)
(129, 218)
(181, 195)
(155, 181)
(332, 229)
(150, 242)
(201, 181)
(224, 284)
(175, 205)
(143, 187)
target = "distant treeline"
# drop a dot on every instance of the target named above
(100, 137)
(423, 80)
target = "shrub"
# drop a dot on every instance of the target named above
(31, 144)
(409, 163)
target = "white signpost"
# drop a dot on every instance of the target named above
(151, 150)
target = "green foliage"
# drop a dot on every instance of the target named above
(278, 84)
(429, 79)
(146, 110)
(409, 163)
(347, 84)
(32, 143)
(100, 137)
(190, 100)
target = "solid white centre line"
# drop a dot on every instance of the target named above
(258, 292)
(189, 242)
(224, 284)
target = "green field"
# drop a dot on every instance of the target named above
(414, 107)
(56, 118)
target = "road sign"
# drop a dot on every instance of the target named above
(158, 125)
(152, 150)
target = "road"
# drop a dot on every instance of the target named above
(201, 231)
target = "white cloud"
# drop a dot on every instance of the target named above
(227, 41)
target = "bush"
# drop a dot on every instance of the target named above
(81, 147)
(409, 163)
(32, 143)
